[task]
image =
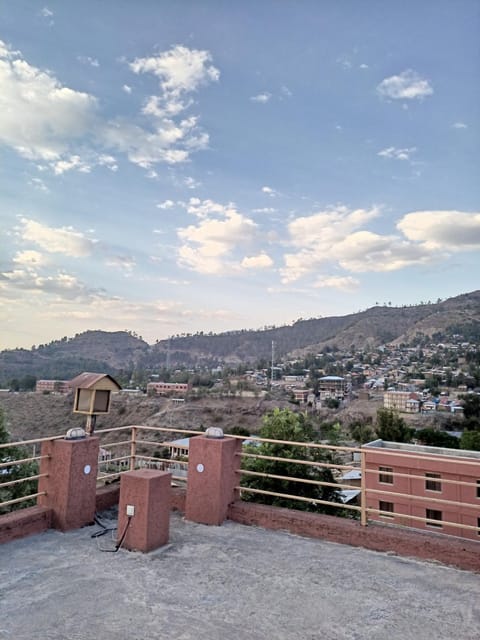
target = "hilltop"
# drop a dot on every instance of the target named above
(123, 352)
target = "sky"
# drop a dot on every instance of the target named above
(169, 167)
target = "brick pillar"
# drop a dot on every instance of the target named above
(148, 492)
(71, 483)
(212, 477)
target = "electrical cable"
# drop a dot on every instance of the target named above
(120, 542)
(104, 529)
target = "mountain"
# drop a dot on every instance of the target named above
(122, 351)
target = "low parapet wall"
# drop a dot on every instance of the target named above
(25, 522)
(457, 552)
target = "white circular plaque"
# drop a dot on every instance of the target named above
(86, 469)
(200, 468)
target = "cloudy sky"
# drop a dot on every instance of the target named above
(182, 166)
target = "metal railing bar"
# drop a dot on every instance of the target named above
(430, 457)
(24, 499)
(309, 445)
(458, 525)
(398, 474)
(104, 445)
(292, 479)
(20, 480)
(410, 496)
(312, 463)
(34, 441)
(168, 460)
(13, 463)
(302, 499)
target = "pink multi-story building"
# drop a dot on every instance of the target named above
(424, 487)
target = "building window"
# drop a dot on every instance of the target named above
(433, 514)
(478, 488)
(432, 482)
(384, 475)
(385, 506)
(478, 526)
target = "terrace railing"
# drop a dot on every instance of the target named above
(138, 446)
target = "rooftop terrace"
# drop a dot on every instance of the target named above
(227, 582)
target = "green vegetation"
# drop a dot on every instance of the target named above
(284, 424)
(391, 427)
(470, 440)
(15, 472)
(434, 438)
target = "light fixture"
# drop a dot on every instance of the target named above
(76, 433)
(214, 432)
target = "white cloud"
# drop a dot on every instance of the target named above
(30, 258)
(397, 154)
(262, 261)
(166, 204)
(191, 183)
(209, 246)
(180, 70)
(408, 85)
(61, 284)
(442, 230)
(39, 184)
(337, 236)
(364, 66)
(73, 162)
(46, 12)
(286, 91)
(269, 192)
(343, 283)
(38, 116)
(93, 62)
(64, 240)
(105, 160)
(123, 263)
(459, 125)
(264, 210)
(127, 88)
(43, 120)
(262, 98)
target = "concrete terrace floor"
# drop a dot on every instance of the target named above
(231, 582)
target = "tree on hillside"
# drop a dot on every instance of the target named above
(391, 427)
(434, 438)
(284, 424)
(14, 472)
(470, 440)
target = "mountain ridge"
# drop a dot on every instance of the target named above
(124, 351)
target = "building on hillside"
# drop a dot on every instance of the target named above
(333, 387)
(53, 386)
(431, 488)
(402, 401)
(168, 388)
(301, 394)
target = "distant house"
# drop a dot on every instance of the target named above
(301, 394)
(168, 388)
(53, 386)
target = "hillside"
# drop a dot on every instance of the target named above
(123, 352)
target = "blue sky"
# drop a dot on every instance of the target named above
(173, 167)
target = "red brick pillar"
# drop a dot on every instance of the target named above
(212, 478)
(71, 482)
(146, 493)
